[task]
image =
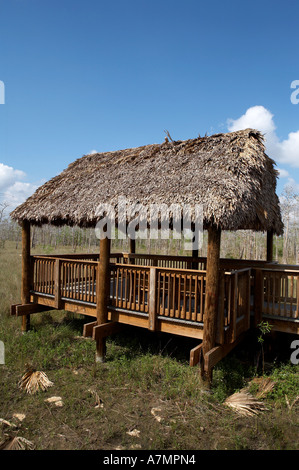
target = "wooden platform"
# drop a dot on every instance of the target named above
(165, 294)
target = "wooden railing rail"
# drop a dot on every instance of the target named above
(129, 287)
(234, 304)
(278, 292)
(160, 292)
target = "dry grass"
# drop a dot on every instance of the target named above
(145, 395)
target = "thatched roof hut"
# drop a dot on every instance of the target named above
(229, 174)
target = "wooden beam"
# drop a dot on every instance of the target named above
(102, 294)
(27, 309)
(217, 353)
(195, 355)
(211, 298)
(13, 309)
(26, 272)
(270, 245)
(106, 329)
(88, 329)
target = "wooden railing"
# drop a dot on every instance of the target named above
(43, 274)
(77, 280)
(179, 295)
(173, 294)
(129, 287)
(278, 293)
(234, 304)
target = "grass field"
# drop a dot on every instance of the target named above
(145, 396)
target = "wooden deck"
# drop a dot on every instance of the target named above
(167, 294)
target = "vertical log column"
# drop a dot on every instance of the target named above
(132, 249)
(211, 296)
(194, 253)
(26, 272)
(102, 293)
(270, 245)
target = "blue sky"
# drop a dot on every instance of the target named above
(83, 76)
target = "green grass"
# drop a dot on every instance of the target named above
(145, 384)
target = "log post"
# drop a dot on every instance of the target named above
(211, 297)
(132, 250)
(152, 299)
(194, 255)
(102, 294)
(270, 245)
(26, 272)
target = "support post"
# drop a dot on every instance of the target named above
(194, 255)
(57, 283)
(132, 249)
(152, 300)
(102, 293)
(26, 272)
(211, 298)
(270, 245)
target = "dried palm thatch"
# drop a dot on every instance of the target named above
(228, 174)
(34, 381)
(16, 443)
(245, 404)
(265, 385)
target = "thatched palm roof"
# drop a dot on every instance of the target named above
(229, 174)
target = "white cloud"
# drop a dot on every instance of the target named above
(283, 173)
(260, 118)
(288, 150)
(8, 176)
(256, 117)
(18, 193)
(12, 190)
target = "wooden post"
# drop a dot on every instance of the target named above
(194, 255)
(26, 272)
(102, 293)
(270, 245)
(152, 299)
(258, 297)
(211, 297)
(132, 249)
(57, 283)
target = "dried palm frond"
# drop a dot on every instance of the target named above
(3, 422)
(265, 385)
(34, 380)
(245, 404)
(16, 443)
